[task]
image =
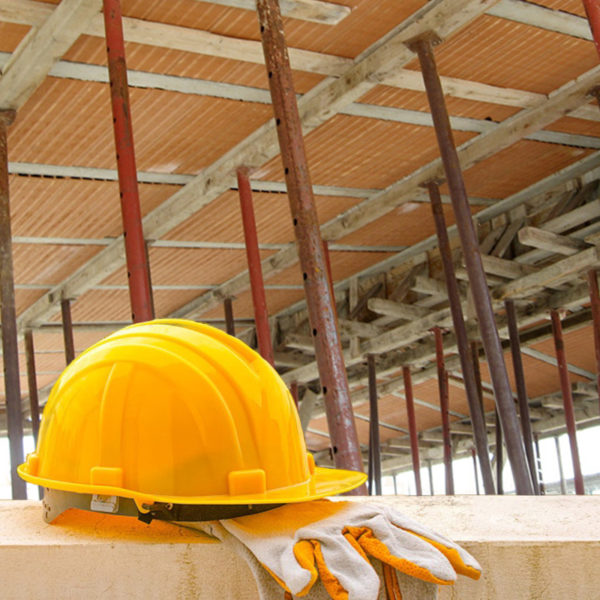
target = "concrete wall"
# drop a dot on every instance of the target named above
(529, 548)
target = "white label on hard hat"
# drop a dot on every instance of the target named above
(106, 504)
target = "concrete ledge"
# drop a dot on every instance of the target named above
(529, 548)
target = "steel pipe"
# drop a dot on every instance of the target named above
(229, 320)
(592, 10)
(34, 403)
(595, 303)
(462, 341)
(294, 393)
(536, 441)
(135, 250)
(10, 344)
(561, 471)
(334, 381)
(257, 286)
(475, 470)
(477, 279)
(499, 455)
(374, 441)
(67, 327)
(567, 395)
(444, 409)
(412, 428)
(515, 349)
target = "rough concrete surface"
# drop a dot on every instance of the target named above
(530, 548)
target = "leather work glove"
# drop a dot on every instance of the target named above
(297, 543)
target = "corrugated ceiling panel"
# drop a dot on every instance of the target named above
(457, 107)
(579, 348)
(25, 298)
(572, 6)
(406, 225)
(190, 266)
(360, 152)
(44, 340)
(540, 377)
(11, 36)
(48, 263)
(243, 307)
(577, 126)
(508, 54)
(272, 212)
(162, 123)
(517, 167)
(343, 264)
(49, 207)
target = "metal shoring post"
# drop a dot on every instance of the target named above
(294, 393)
(257, 286)
(374, 442)
(499, 455)
(430, 474)
(595, 302)
(477, 279)
(515, 348)
(135, 247)
(462, 340)
(332, 371)
(10, 344)
(561, 471)
(592, 10)
(536, 441)
(412, 428)
(229, 321)
(34, 404)
(474, 455)
(444, 408)
(67, 327)
(567, 395)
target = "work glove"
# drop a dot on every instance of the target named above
(298, 543)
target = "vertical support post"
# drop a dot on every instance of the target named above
(257, 286)
(515, 348)
(135, 250)
(412, 428)
(34, 404)
(330, 276)
(374, 442)
(475, 409)
(475, 470)
(536, 441)
(477, 279)
(567, 395)
(147, 251)
(430, 474)
(499, 455)
(561, 471)
(8, 313)
(294, 393)
(229, 320)
(595, 302)
(444, 408)
(310, 246)
(592, 10)
(67, 327)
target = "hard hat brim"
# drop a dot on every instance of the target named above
(327, 482)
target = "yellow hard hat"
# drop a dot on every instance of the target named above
(177, 412)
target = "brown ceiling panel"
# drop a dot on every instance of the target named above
(243, 307)
(361, 152)
(517, 167)
(406, 225)
(11, 36)
(343, 264)
(71, 208)
(190, 266)
(48, 263)
(272, 212)
(579, 348)
(457, 107)
(508, 54)
(577, 126)
(162, 122)
(25, 298)
(574, 7)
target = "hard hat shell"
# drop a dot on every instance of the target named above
(177, 412)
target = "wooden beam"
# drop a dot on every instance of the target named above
(41, 48)
(316, 11)
(359, 329)
(551, 242)
(398, 310)
(505, 268)
(427, 285)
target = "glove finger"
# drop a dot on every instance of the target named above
(305, 557)
(345, 574)
(405, 552)
(462, 562)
